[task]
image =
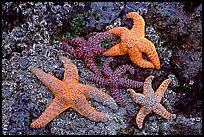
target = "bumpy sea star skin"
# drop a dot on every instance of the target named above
(114, 80)
(87, 50)
(70, 93)
(134, 43)
(150, 101)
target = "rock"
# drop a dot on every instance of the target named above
(24, 63)
(140, 7)
(28, 38)
(103, 13)
(186, 64)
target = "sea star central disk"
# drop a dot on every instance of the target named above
(150, 101)
(70, 93)
(134, 43)
(87, 50)
(113, 80)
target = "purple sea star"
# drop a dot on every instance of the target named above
(113, 80)
(87, 50)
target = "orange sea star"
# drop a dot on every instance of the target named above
(70, 93)
(150, 101)
(134, 43)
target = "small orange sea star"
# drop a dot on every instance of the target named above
(134, 43)
(70, 93)
(150, 101)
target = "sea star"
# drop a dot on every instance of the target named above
(114, 80)
(134, 43)
(70, 93)
(87, 50)
(150, 101)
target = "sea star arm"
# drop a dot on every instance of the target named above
(129, 83)
(107, 71)
(98, 50)
(124, 81)
(141, 115)
(136, 57)
(122, 69)
(148, 48)
(78, 41)
(160, 110)
(118, 31)
(47, 79)
(137, 97)
(54, 109)
(138, 23)
(114, 92)
(69, 48)
(81, 105)
(98, 95)
(114, 51)
(162, 88)
(71, 72)
(147, 87)
(96, 79)
(89, 62)
(100, 37)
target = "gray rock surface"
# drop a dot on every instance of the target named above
(30, 39)
(103, 13)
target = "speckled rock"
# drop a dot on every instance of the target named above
(103, 13)
(187, 63)
(140, 7)
(187, 125)
(28, 39)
